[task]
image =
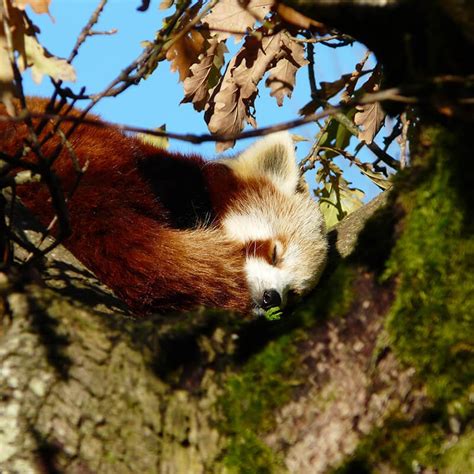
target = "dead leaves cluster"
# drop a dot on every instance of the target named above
(225, 89)
(19, 48)
(228, 97)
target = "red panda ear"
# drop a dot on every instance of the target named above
(272, 157)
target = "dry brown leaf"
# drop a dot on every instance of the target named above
(234, 17)
(309, 108)
(7, 88)
(254, 59)
(232, 104)
(282, 77)
(38, 6)
(330, 89)
(165, 4)
(185, 52)
(291, 16)
(204, 75)
(230, 112)
(31, 53)
(370, 116)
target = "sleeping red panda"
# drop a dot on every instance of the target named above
(172, 232)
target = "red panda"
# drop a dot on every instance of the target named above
(172, 232)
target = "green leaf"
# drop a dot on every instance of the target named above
(339, 203)
(274, 314)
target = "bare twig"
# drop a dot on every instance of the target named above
(309, 162)
(335, 111)
(83, 35)
(187, 137)
(113, 31)
(343, 40)
(396, 130)
(87, 30)
(311, 75)
(403, 140)
(354, 79)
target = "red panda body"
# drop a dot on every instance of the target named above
(151, 224)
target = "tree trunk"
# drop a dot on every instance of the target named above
(371, 373)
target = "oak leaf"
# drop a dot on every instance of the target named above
(282, 77)
(204, 75)
(7, 87)
(339, 202)
(330, 89)
(234, 17)
(232, 103)
(370, 116)
(230, 112)
(184, 52)
(165, 4)
(254, 59)
(42, 62)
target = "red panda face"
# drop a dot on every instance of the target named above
(278, 224)
(284, 244)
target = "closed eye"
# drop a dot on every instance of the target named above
(277, 252)
(274, 255)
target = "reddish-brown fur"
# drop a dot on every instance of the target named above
(138, 218)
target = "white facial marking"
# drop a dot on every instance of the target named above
(246, 227)
(262, 276)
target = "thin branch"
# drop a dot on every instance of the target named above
(87, 30)
(309, 162)
(83, 35)
(113, 31)
(336, 111)
(311, 75)
(343, 40)
(403, 140)
(187, 137)
(396, 130)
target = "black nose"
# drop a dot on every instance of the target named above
(271, 298)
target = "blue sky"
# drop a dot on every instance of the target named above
(156, 101)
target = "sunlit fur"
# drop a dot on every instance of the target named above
(171, 232)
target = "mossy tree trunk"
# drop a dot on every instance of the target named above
(371, 373)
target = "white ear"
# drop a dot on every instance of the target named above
(272, 157)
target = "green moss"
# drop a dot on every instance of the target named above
(431, 321)
(406, 448)
(248, 405)
(460, 456)
(398, 444)
(247, 454)
(430, 325)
